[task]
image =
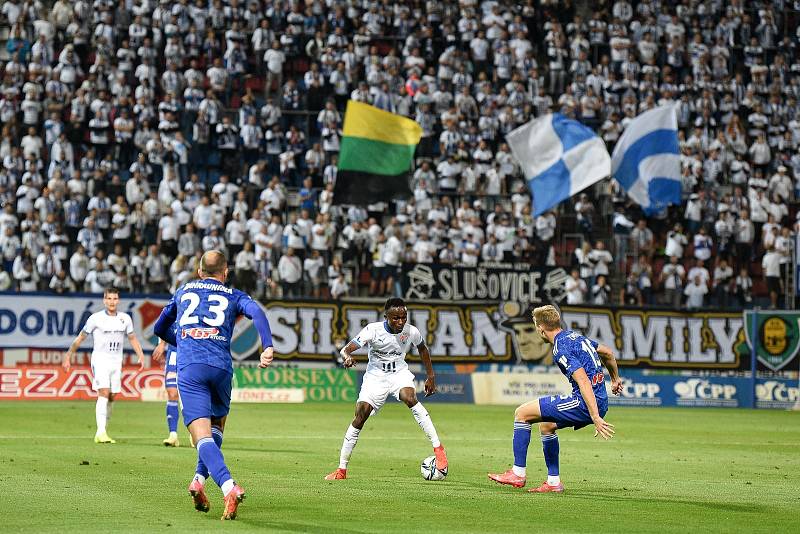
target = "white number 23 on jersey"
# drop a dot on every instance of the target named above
(217, 306)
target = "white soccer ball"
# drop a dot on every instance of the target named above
(429, 470)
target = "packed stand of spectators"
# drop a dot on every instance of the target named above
(137, 135)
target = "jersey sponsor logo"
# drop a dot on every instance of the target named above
(198, 332)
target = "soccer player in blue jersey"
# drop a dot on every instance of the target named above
(169, 355)
(206, 311)
(581, 360)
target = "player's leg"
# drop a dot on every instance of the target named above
(371, 397)
(362, 413)
(217, 428)
(408, 395)
(524, 416)
(172, 417)
(198, 384)
(550, 448)
(101, 415)
(102, 383)
(557, 412)
(171, 386)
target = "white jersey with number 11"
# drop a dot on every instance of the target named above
(108, 333)
(387, 351)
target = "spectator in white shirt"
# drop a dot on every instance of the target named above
(695, 293)
(575, 288)
(314, 270)
(672, 277)
(290, 272)
(771, 264)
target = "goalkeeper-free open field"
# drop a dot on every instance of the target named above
(675, 470)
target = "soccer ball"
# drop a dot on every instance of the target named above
(429, 470)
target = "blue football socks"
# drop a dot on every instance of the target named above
(202, 470)
(522, 438)
(550, 449)
(208, 451)
(172, 415)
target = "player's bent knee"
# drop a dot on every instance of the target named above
(528, 413)
(546, 428)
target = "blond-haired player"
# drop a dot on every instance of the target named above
(108, 329)
(581, 360)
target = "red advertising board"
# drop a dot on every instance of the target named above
(32, 374)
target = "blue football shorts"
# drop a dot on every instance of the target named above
(568, 411)
(205, 391)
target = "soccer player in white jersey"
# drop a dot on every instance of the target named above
(387, 373)
(108, 328)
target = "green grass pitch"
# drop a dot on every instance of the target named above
(668, 470)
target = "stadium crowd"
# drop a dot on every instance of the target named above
(137, 134)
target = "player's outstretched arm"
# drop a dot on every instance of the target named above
(347, 354)
(253, 311)
(430, 382)
(137, 348)
(73, 348)
(610, 363)
(605, 430)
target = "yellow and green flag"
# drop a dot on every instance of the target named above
(376, 154)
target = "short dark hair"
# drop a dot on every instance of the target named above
(110, 290)
(394, 302)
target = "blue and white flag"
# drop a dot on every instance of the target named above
(560, 157)
(646, 161)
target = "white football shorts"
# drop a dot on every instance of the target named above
(377, 386)
(106, 375)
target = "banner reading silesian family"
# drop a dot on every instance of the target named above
(456, 332)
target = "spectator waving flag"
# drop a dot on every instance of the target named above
(646, 161)
(376, 153)
(560, 157)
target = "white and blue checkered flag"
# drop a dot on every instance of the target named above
(646, 161)
(560, 157)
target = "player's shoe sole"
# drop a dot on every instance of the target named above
(339, 474)
(547, 488)
(199, 499)
(172, 442)
(231, 503)
(508, 478)
(441, 458)
(103, 438)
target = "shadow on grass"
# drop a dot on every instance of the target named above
(710, 505)
(283, 526)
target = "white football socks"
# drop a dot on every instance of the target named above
(349, 443)
(101, 414)
(425, 423)
(109, 409)
(519, 471)
(553, 480)
(227, 486)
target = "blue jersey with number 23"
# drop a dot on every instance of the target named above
(205, 312)
(572, 351)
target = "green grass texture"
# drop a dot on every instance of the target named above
(667, 470)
